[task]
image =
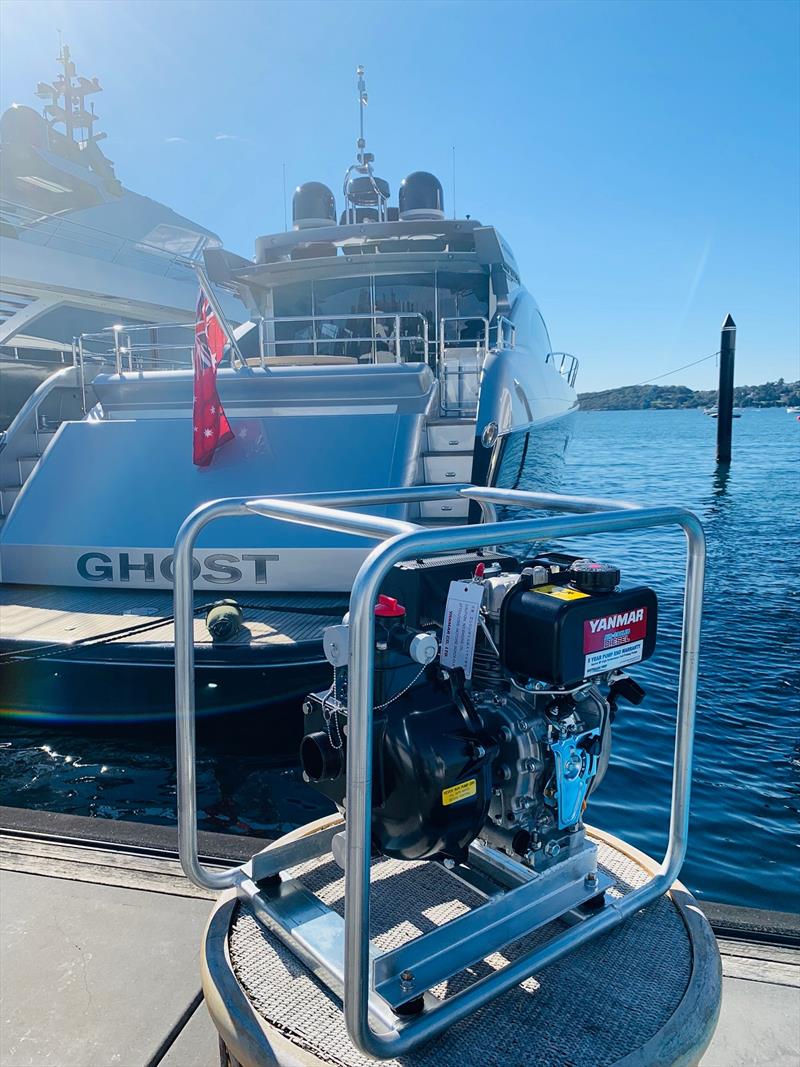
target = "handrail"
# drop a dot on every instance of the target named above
(121, 349)
(138, 327)
(459, 342)
(512, 332)
(120, 345)
(457, 371)
(374, 317)
(30, 407)
(119, 334)
(592, 516)
(567, 365)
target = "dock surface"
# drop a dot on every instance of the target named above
(99, 962)
(101, 942)
(41, 616)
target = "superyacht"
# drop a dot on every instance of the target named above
(387, 346)
(80, 252)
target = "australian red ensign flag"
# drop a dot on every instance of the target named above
(211, 427)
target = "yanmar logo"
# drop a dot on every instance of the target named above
(611, 631)
(613, 622)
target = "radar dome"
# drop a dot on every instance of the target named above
(421, 197)
(365, 190)
(313, 205)
(23, 125)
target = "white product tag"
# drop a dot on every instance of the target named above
(460, 625)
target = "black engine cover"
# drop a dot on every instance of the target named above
(561, 635)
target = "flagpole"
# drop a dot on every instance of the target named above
(211, 297)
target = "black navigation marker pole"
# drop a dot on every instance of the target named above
(727, 351)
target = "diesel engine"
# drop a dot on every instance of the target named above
(496, 683)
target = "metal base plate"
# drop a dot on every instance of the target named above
(626, 1009)
(517, 902)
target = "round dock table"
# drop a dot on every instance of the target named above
(646, 993)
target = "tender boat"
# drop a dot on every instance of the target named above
(387, 347)
(713, 413)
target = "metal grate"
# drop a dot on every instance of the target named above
(590, 1009)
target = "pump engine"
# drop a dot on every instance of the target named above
(496, 682)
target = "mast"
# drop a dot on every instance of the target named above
(362, 106)
(362, 190)
(67, 94)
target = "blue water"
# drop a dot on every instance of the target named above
(744, 845)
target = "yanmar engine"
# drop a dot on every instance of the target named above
(496, 682)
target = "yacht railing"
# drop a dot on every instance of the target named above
(566, 363)
(120, 348)
(506, 332)
(460, 364)
(461, 359)
(387, 333)
(462, 341)
(59, 231)
(160, 346)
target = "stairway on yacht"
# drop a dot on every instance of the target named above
(57, 399)
(447, 457)
(448, 451)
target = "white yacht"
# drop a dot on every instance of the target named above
(389, 346)
(78, 250)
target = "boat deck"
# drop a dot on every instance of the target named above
(34, 616)
(100, 952)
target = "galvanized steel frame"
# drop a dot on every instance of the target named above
(401, 541)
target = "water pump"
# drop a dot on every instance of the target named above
(496, 682)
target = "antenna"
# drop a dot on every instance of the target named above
(65, 84)
(363, 100)
(454, 182)
(361, 188)
(285, 223)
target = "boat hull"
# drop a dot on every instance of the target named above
(136, 688)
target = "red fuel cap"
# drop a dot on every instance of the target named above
(388, 607)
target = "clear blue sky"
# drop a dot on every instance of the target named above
(641, 158)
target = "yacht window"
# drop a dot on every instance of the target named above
(407, 294)
(336, 305)
(343, 297)
(464, 296)
(293, 301)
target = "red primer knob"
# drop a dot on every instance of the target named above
(389, 608)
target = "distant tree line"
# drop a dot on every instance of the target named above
(640, 397)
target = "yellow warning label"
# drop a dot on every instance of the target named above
(459, 792)
(561, 592)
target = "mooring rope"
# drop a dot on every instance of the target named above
(666, 374)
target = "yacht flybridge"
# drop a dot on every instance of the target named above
(387, 347)
(78, 250)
